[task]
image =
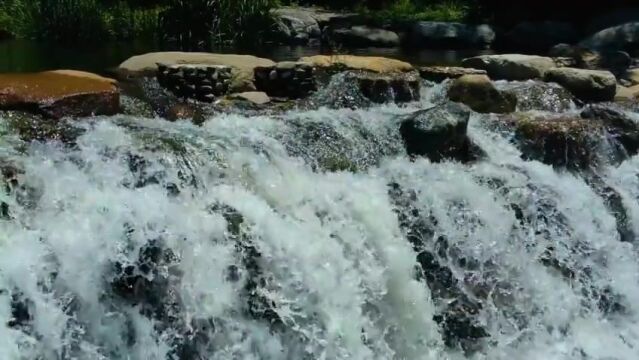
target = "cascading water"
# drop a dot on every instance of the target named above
(307, 236)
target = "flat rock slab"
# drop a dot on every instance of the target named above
(351, 62)
(511, 66)
(243, 65)
(586, 85)
(255, 97)
(59, 93)
(441, 73)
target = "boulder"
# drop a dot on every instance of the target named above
(352, 62)
(621, 37)
(60, 93)
(243, 66)
(296, 25)
(558, 140)
(428, 34)
(441, 73)
(254, 97)
(438, 133)
(479, 93)
(540, 96)
(365, 36)
(617, 122)
(586, 85)
(540, 36)
(511, 66)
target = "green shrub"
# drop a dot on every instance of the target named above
(412, 10)
(244, 21)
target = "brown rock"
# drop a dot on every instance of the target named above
(255, 97)
(351, 62)
(479, 93)
(587, 85)
(59, 93)
(558, 140)
(441, 73)
(243, 65)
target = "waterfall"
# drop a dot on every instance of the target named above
(307, 235)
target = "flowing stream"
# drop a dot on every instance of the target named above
(307, 236)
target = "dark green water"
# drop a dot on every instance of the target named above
(28, 56)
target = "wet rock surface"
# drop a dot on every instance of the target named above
(618, 123)
(541, 96)
(56, 94)
(438, 133)
(479, 93)
(558, 140)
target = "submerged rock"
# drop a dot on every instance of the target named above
(56, 94)
(561, 141)
(351, 62)
(438, 133)
(479, 93)
(441, 73)
(511, 66)
(587, 85)
(538, 95)
(618, 123)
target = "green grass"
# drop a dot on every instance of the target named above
(71, 20)
(410, 10)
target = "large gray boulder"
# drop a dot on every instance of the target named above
(438, 133)
(511, 66)
(296, 26)
(451, 35)
(540, 35)
(364, 36)
(621, 37)
(479, 93)
(586, 85)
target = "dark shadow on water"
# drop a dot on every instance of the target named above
(28, 56)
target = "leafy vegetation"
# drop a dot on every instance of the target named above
(411, 10)
(185, 21)
(198, 22)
